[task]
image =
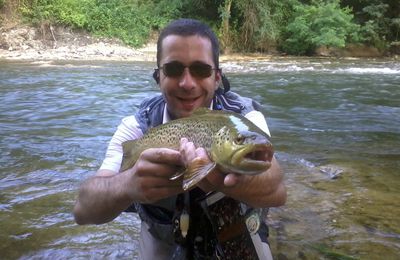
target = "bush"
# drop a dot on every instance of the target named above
(71, 12)
(129, 20)
(132, 21)
(319, 24)
(377, 27)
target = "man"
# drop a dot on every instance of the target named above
(189, 77)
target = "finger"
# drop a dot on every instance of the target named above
(187, 151)
(162, 156)
(147, 168)
(232, 179)
(183, 141)
(151, 182)
(201, 153)
(164, 171)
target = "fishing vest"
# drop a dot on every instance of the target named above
(159, 215)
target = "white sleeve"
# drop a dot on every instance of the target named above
(259, 120)
(127, 130)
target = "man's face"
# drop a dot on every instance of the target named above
(187, 91)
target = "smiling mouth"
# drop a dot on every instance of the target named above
(188, 103)
(187, 100)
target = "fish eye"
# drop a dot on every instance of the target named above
(239, 139)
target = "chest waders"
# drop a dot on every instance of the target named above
(219, 227)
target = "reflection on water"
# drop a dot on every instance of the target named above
(56, 120)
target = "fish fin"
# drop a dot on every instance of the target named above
(196, 171)
(127, 148)
(178, 174)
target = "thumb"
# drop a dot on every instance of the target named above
(232, 179)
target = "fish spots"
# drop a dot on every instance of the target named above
(220, 133)
(221, 138)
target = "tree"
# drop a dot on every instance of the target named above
(225, 13)
(253, 25)
(379, 20)
(319, 24)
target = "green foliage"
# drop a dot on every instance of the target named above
(257, 25)
(294, 26)
(379, 21)
(395, 24)
(71, 12)
(375, 29)
(121, 19)
(37, 11)
(319, 24)
(273, 20)
(129, 20)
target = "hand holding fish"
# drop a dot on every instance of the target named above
(215, 179)
(150, 176)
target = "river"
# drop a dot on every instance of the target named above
(335, 125)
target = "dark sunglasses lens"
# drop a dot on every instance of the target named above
(200, 70)
(173, 69)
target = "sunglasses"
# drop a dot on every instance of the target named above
(175, 69)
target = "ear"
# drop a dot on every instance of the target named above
(218, 77)
(156, 76)
(225, 83)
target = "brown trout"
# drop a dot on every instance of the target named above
(233, 143)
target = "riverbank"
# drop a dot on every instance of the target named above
(60, 43)
(49, 43)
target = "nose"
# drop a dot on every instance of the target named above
(186, 81)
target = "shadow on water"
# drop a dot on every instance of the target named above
(335, 125)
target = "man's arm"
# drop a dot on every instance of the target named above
(101, 198)
(104, 196)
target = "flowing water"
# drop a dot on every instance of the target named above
(335, 125)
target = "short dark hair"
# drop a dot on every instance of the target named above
(189, 27)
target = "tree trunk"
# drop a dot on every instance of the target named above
(225, 34)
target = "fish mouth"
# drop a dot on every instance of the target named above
(253, 160)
